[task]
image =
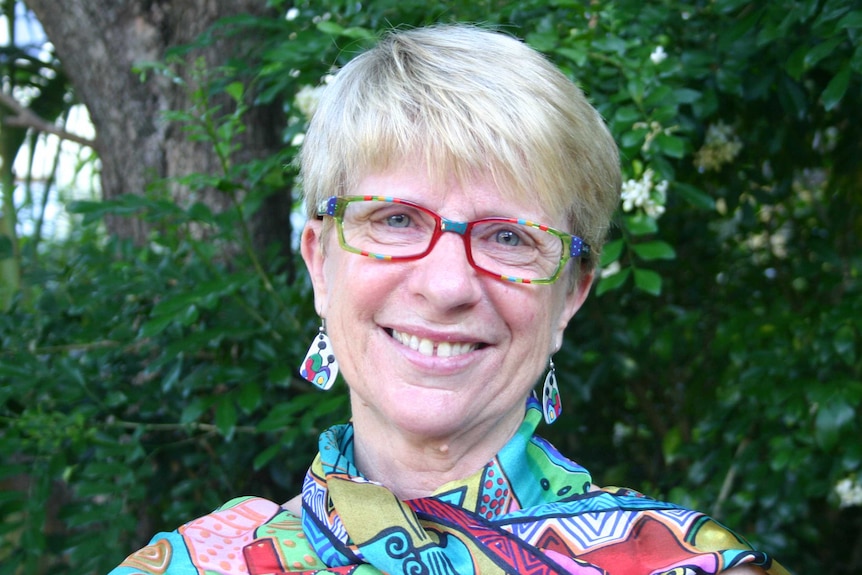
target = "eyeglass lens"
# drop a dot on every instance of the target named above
(498, 245)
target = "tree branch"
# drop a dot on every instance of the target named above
(24, 118)
(729, 478)
(191, 426)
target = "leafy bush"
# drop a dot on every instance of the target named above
(144, 385)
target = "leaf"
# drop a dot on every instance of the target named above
(225, 416)
(283, 415)
(15, 371)
(195, 408)
(235, 90)
(279, 416)
(189, 316)
(640, 224)
(694, 196)
(263, 350)
(265, 456)
(579, 57)
(94, 211)
(249, 396)
(831, 419)
(654, 250)
(795, 65)
(627, 115)
(330, 27)
(281, 375)
(205, 295)
(612, 252)
(634, 138)
(636, 89)
(156, 325)
(671, 444)
(357, 33)
(201, 212)
(670, 145)
(542, 41)
(612, 282)
(687, 95)
(844, 342)
(610, 43)
(658, 96)
(173, 375)
(648, 281)
(821, 51)
(836, 89)
(851, 20)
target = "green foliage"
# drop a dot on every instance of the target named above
(135, 371)
(144, 385)
(47, 91)
(134, 368)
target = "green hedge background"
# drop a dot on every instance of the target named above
(717, 364)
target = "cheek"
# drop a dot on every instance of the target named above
(538, 320)
(529, 308)
(358, 288)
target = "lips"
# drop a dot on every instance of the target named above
(433, 348)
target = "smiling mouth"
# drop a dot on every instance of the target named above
(433, 348)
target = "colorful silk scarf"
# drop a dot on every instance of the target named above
(528, 511)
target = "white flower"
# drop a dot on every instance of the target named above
(298, 139)
(634, 194)
(720, 147)
(658, 55)
(645, 195)
(611, 269)
(307, 98)
(849, 492)
(292, 14)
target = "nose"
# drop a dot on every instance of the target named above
(445, 277)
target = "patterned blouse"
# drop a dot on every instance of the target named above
(528, 511)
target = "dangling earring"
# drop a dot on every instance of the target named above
(552, 406)
(319, 366)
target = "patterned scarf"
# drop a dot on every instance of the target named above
(528, 511)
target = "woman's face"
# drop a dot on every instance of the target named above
(478, 344)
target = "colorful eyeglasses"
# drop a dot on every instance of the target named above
(508, 249)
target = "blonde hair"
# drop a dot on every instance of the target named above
(464, 100)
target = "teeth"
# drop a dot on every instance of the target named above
(428, 347)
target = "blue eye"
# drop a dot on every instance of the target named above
(398, 221)
(508, 238)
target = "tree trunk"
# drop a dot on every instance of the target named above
(99, 42)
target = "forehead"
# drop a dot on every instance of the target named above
(462, 196)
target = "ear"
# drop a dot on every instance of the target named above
(311, 246)
(575, 298)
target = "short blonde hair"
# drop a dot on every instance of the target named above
(465, 100)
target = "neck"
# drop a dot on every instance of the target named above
(414, 466)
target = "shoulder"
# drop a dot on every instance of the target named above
(695, 534)
(745, 570)
(217, 539)
(238, 518)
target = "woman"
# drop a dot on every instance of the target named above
(441, 337)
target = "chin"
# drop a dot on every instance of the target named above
(429, 422)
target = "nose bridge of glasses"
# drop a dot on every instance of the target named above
(459, 228)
